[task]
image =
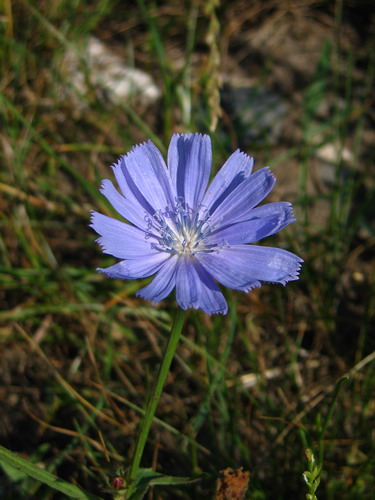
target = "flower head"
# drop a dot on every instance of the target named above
(187, 234)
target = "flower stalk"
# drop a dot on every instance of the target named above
(155, 397)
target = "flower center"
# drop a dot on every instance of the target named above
(180, 231)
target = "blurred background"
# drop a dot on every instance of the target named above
(290, 83)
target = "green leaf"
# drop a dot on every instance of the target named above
(72, 491)
(148, 477)
(15, 475)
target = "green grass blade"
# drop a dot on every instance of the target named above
(148, 477)
(45, 477)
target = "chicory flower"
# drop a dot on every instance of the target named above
(188, 235)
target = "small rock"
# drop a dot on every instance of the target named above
(329, 156)
(332, 153)
(107, 74)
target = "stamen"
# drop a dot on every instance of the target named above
(180, 230)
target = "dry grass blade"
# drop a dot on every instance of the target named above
(67, 386)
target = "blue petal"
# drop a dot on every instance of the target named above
(119, 239)
(163, 283)
(188, 284)
(212, 301)
(195, 288)
(189, 163)
(240, 202)
(139, 202)
(235, 170)
(137, 268)
(130, 210)
(260, 226)
(243, 266)
(146, 178)
(283, 209)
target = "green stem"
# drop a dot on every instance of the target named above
(155, 396)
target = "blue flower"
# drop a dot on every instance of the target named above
(188, 235)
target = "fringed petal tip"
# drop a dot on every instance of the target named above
(137, 147)
(288, 218)
(289, 210)
(102, 242)
(104, 185)
(272, 175)
(247, 157)
(95, 221)
(210, 312)
(99, 241)
(102, 270)
(251, 286)
(189, 135)
(110, 274)
(149, 143)
(118, 163)
(294, 275)
(223, 311)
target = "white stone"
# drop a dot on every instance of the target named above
(108, 74)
